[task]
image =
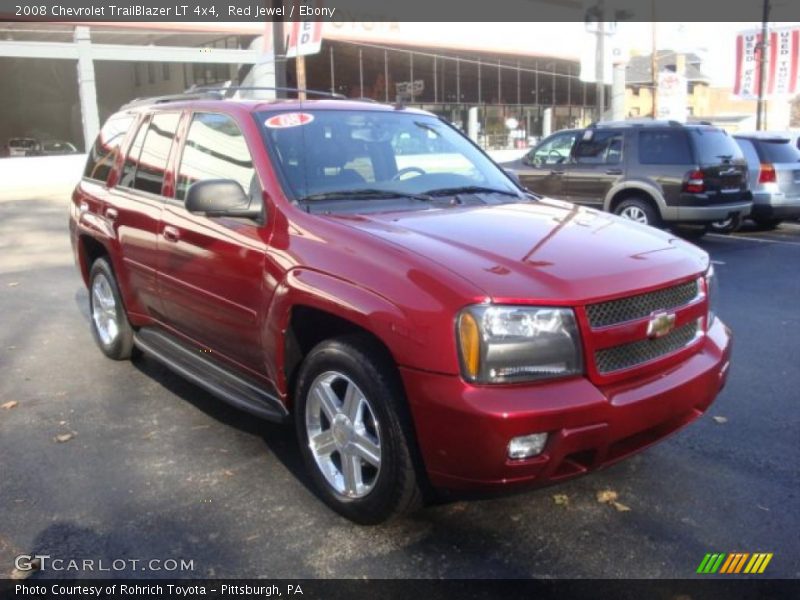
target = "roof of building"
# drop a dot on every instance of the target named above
(639, 69)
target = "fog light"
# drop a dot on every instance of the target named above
(527, 445)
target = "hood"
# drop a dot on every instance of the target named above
(545, 251)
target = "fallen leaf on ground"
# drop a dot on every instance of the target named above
(62, 423)
(13, 284)
(561, 499)
(620, 506)
(63, 437)
(227, 473)
(606, 496)
(720, 419)
(9, 405)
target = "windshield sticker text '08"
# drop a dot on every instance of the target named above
(288, 120)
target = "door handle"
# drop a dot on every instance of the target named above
(112, 214)
(556, 172)
(171, 234)
(614, 172)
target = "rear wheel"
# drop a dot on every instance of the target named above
(725, 226)
(110, 327)
(638, 210)
(767, 223)
(355, 431)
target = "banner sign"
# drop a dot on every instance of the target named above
(673, 96)
(305, 35)
(781, 68)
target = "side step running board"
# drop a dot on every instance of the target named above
(235, 389)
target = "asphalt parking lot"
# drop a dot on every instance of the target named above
(153, 467)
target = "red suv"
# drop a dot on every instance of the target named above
(425, 322)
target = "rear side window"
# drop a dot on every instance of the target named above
(129, 167)
(155, 152)
(599, 148)
(778, 151)
(749, 151)
(713, 146)
(106, 148)
(664, 148)
(215, 149)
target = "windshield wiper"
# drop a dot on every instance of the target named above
(364, 194)
(469, 189)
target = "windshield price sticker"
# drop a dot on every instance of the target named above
(288, 120)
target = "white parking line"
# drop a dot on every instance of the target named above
(751, 239)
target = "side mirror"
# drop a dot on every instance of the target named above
(220, 198)
(513, 175)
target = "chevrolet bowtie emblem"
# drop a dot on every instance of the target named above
(661, 323)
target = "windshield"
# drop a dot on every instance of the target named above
(327, 155)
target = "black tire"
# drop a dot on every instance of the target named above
(726, 226)
(643, 206)
(395, 489)
(120, 346)
(691, 233)
(768, 223)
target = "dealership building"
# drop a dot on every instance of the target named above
(504, 84)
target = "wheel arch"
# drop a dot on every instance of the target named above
(309, 307)
(627, 190)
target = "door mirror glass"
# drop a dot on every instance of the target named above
(220, 198)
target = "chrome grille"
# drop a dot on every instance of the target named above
(638, 307)
(642, 351)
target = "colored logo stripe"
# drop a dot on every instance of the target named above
(734, 563)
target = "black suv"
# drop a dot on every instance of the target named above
(653, 172)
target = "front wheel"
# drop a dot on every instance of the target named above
(355, 431)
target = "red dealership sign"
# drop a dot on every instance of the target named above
(781, 68)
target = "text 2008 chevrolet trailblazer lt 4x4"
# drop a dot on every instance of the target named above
(368, 273)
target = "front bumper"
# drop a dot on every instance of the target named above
(463, 430)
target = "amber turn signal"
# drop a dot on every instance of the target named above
(469, 337)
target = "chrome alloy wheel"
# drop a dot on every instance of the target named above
(634, 213)
(104, 310)
(343, 434)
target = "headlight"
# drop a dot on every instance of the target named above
(506, 344)
(712, 291)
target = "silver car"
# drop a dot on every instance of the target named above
(773, 161)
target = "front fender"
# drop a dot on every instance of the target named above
(412, 338)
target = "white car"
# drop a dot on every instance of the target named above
(21, 147)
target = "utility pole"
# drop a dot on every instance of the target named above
(599, 64)
(654, 64)
(762, 65)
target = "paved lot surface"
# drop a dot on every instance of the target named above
(159, 469)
